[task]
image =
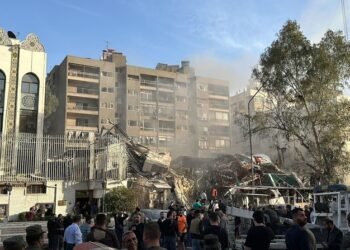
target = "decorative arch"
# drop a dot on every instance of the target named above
(2, 96)
(29, 103)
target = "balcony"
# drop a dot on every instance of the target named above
(166, 86)
(167, 130)
(148, 83)
(83, 109)
(90, 127)
(83, 92)
(83, 76)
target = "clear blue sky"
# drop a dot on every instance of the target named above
(222, 38)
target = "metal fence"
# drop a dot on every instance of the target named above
(27, 157)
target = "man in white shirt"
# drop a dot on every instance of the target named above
(72, 234)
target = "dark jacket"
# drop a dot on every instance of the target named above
(169, 228)
(220, 232)
(346, 241)
(155, 248)
(104, 236)
(297, 239)
(334, 239)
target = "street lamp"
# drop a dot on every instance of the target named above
(250, 134)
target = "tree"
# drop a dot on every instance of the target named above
(304, 83)
(120, 199)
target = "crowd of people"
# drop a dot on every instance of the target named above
(205, 226)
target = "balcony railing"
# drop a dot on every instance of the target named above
(83, 74)
(167, 129)
(87, 108)
(148, 83)
(83, 124)
(86, 91)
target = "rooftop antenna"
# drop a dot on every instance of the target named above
(107, 45)
(344, 19)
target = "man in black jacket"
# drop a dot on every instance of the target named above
(100, 233)
(297, 237)
(214, 228)
(334, 235)
(169, 231)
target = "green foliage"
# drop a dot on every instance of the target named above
(121, 199)
(304, 84)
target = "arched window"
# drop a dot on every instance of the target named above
(2, 97)
(29, 104)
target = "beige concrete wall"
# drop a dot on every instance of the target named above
(5, 67)
(29, 62)
(20, 201)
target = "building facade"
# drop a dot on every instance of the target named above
(86, 94)
(210, 115)
(167, 109)
(22, 84)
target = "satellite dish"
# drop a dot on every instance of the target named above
(10, 34)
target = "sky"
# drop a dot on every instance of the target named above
(221, 38)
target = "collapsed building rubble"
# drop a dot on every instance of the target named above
(234, 174)
(187, 177)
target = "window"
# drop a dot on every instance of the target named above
(82, 122)
(181, 99)
(110, 90)
(181, 85)
(111, 105)
(148, 95)
(29, 104)
(219, 116)
(203, 144)
(183, 115)
(133, 107)
(133, 92)
(104, 89)
(181, 127)
(104, 105)
(107, 74)
(36, 189)
(132, 123)
(28, 121)
(203, 116)
(221, 143)
(30, 84)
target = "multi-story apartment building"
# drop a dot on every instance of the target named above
(86, 93)
(210, 116)
(167, 108)
(239, 108)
